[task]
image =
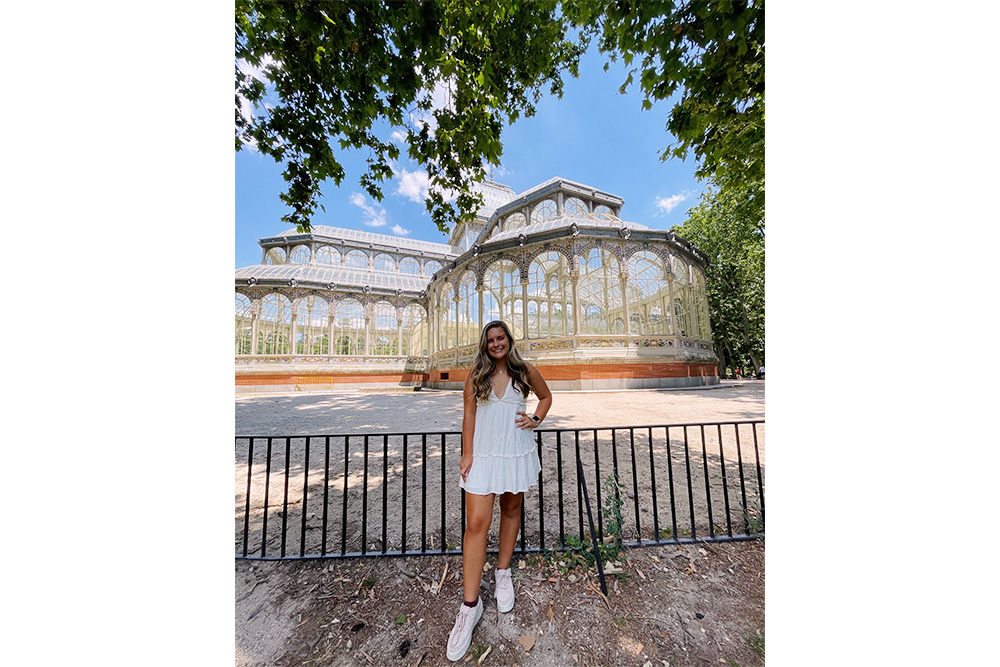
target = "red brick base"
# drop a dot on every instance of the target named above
(602, 371)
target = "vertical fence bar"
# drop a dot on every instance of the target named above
(305, 499)
(579, 493)
(267, 495)
(581, 482)
(635, 485)
(687, 468)
(443, 486)
(402, 548)
(597, 469)
(284, 500)
(559, 480)
(652, 483)
(423, 493)
(521, 525)
(343, 517)
(725, 484)
(670, 479)
(326, 492)
(614, 459)
(760, 480)
(364, 501)
(708, 486)
(385, 490)
(541, 496)
(246, 513)
(743, 487)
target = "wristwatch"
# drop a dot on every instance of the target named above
(537, 419)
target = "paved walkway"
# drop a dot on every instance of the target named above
(423, 411)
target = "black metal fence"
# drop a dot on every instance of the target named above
(390, 494)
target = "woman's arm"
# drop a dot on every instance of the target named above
(537, 383)
(468, 426)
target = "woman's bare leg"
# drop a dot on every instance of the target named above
(479, 515)
(510, 524)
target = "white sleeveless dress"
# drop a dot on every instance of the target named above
(504, 457)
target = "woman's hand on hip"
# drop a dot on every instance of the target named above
(523, 421)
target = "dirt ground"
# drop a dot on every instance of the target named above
(669, 605)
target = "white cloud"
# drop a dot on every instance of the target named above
(398, 136)
(414, 185)
(399, 231)
(374, 215)
(668, 204)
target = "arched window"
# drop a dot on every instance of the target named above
(299, 255)
(550, 293)
(600, 293)
(384, 329)
(409, 266)
(502, 296)
(312, 320)
(384, 262)
(356, 259)
(701, 304)
(327, 255)
(647, 289)
(543, 211)
(604, 212)
(244, 325)
(414, 331)
(275, 256)
(349, 328)
(514, 221)
(431, 267)
(274, 330)
(468, 310)
(573, 206)
(447, 314)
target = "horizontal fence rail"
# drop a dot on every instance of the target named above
(391, 494)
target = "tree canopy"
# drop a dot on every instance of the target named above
(343, 71)
(728, 227)
(710, 50)
(343, 74)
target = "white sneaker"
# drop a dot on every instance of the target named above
(461, 634)
(504, 590)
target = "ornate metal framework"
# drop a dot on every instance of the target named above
(556, 262)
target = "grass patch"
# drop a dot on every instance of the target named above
(756, 641)
(477, 650)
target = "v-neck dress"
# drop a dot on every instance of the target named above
(504, 458)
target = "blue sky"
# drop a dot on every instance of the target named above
(592, 135)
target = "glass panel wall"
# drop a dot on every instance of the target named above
(274, 330)
(468, 310)
(502, 296)
(414, 331)
(409, 266)
(299, 255)
(327, 255)
(384, 333)
(601, 310)
(648, 294)
(550, 298)
(313, 318)
(244, 325)
(384, 262)
(349, 328)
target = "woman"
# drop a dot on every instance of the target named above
(498, 457)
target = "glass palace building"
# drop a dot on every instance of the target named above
(593, 301)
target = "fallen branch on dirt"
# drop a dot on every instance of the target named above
(255, 612)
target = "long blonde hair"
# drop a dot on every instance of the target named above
(484, 366)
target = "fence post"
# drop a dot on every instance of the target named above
(590, 519)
